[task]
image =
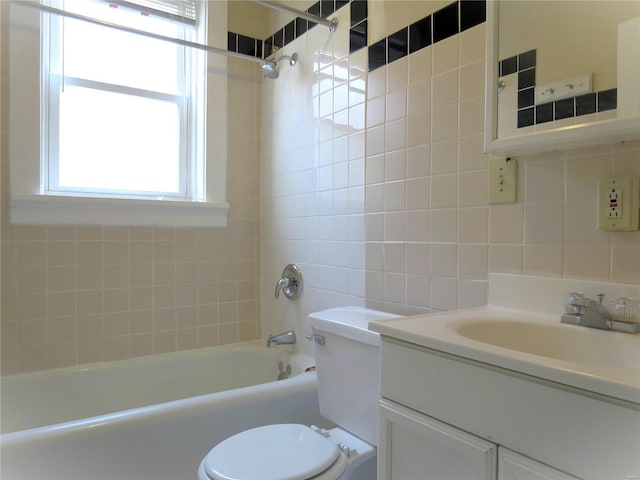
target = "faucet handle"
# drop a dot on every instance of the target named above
(626, 310)
(290, 282)
(574, 303)
(281, 285)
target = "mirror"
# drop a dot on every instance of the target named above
(561, 74)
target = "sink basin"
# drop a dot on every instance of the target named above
(562, 342)
(531, 343)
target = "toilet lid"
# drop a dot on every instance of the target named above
(273, 452)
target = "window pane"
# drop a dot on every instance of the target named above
(116, 142)
(112, 56)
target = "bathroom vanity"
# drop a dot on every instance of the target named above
(504, 393)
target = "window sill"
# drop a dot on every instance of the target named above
(59, 210)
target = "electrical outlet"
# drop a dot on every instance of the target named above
(503, 180)
(618, 203)
(614, 197)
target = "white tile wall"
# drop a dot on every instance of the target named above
(74, 295)
(374, 183)
(449, 223)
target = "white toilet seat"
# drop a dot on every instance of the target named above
(275, 452)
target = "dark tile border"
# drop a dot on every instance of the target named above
(239, 43)
(440, 25)
(450, 20)
(299, 26)
(530, 114)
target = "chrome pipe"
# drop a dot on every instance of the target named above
(122, 28)
(332, 24)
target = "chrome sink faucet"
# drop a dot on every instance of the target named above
(587, 312)
(284, 338)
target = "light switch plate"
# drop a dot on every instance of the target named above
(503, 180)
(618, 203)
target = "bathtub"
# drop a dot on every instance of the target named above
(148, 418)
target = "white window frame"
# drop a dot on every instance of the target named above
(32, 204)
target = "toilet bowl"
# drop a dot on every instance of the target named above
(347, 363)
(290, 452)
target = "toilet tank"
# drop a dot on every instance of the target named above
(348, 368)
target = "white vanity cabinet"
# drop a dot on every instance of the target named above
(448, 417)
(413, 446)
(513, 466)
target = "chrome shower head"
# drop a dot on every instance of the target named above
(270, 68)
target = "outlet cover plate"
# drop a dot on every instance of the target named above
(618, 203)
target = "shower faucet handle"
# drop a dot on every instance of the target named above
(290, 283)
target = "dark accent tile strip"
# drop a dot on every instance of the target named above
(526, 117)
(290, 32)
(314, 9)
(607, 100)
(526, 97)
(420, 34)
(454, 18)
(527, 60)
(247, 46)
(327, 7)
(299, 26)
(398, 45)
(526, 78)
(525, 64)
(359, 11)
(446, 22)
(472, 13)
(450, 20)
(341, 3)
(586, 104)
(508, 66)
(278, 39)
(564, 108)
(239, 43)
(378, 54)
(544, 112)
(268, 47)
(358, 37)
(232, 42)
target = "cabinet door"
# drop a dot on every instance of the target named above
(413, 446)
(513, 466)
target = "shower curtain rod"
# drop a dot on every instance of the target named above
(332, 24)
(185, 43)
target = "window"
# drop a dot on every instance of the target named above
(122, 119)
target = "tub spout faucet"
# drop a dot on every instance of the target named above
(284, 338)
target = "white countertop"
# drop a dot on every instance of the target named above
(603, 362)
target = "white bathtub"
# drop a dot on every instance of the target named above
(148, 418)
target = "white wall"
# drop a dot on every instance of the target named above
(380, 196)
(83, 294)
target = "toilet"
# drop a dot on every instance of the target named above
(347, 363)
